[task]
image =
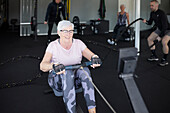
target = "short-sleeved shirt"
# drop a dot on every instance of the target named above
(64, 56)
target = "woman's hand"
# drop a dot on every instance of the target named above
(96, 61)
(59, 68)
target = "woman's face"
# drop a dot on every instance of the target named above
(122, 7)
(66, 34)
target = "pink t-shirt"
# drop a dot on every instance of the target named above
(66, 57)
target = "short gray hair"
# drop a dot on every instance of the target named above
(122, 5)
(64, 24)
(156, 1)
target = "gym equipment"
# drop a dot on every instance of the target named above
(155, 42)
(33, 23)
(126, 67)
(13, 23)
(52, 74)
(76, 22)
(81, 28)
(100, 26)
(34, 20)
(122, 31)
(86, 29)
(85, 64)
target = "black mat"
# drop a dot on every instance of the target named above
(153, 81)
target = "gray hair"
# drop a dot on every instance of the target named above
(122, 5)
(156, 1)
(64, 24)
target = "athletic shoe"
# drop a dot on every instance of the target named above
(115, 43)
(127, 39)
(110, 42)
(163, 62)
(153, 58)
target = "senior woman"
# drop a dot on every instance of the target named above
(69, 51)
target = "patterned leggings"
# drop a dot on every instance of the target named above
(69, 94)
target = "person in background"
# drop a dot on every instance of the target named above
(161, 33)
(122, 19)
(53, 15)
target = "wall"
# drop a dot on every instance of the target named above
(165, 5)
(145, 13)
(111, 13)
(42, 7)
(88, 9)
(85, 9)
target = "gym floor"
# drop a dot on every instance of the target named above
(153, 81)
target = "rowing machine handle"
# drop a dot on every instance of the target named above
(85, 64)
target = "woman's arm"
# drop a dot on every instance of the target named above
(88, 54)
(117, 15)
(127, 15)
(45, 64)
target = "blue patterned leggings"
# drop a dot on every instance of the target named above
(69, 92)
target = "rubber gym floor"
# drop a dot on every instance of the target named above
(152, 80)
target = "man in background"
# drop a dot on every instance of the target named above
(53, 15)
(161, 33)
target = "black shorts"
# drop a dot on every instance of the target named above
(158, 32)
